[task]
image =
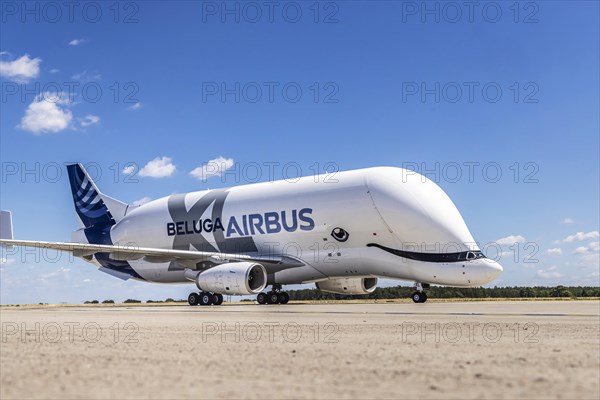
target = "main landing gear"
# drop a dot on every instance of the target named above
(419, 295)
(275, 296)
(205, 299)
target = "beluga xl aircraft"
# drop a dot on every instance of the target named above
(343, 236)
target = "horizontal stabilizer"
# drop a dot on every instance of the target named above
(6, 229)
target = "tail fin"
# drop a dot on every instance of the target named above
(93, 207)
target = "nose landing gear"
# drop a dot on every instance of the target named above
(419, 295)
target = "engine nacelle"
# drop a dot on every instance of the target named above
(348, 285)
(233, 278)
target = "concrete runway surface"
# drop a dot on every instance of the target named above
(504, 349)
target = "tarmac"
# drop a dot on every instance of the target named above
(435, 350)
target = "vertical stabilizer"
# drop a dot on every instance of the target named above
(91, 205)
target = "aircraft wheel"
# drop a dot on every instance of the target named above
(284, 298)
(261, 298)
(273, 298)
(423, 297)
(217, 299)
(193, 299)
(417, 297)
(206, 299)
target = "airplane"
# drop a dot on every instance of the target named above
(340, 232)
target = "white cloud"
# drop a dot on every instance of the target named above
(84, 76)
(62, 271)
(593, 247)
(568, 221)
(77, 42)
(129, 169)
(588, 256)
(22, 69)
(580, 236)
(581, 250)
(510, 240)
(141, 201)
(214, 167)
(508, 253)
(45, 115)
(135, 106)
(550, 273)
(54, 70)
(160, 167)
(589, 260)
(89, 120)
(554, 251)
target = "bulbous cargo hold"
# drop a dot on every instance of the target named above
(418, 212)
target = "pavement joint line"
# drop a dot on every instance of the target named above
(273, 311)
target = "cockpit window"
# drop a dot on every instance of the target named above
(475, 255)
(471, 255)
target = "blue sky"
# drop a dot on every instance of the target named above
(430, 86)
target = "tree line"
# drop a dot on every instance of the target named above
(440, 292)
(399, 292)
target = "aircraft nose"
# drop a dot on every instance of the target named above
(492, 269)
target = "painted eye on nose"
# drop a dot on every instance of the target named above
(340, 234)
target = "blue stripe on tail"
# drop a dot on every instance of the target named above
(88, 204)
(95, 216)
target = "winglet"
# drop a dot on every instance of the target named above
(6, 230)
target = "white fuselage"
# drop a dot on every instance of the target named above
(375, 208)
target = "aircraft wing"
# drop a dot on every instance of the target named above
(149, 254)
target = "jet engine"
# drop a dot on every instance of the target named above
(348, 285)
(231, 278)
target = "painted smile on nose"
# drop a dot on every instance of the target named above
(433, 257)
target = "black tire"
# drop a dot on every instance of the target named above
(261, 298)
(217, 299)
(193, 299)
(284, 298)
(272, 298)
(417, 297)
(423, 297)
(205, 299)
